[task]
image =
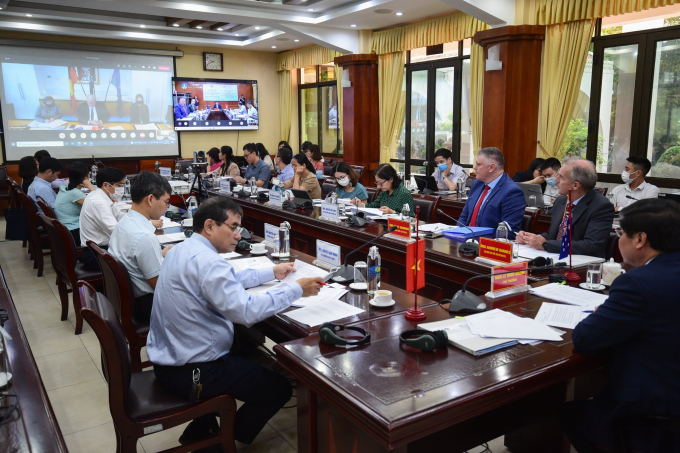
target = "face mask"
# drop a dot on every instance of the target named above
(139, 102)
(120, 191)
(343, 181)
(551, 181)
(442, 167)
(625, 176)
(49, 104)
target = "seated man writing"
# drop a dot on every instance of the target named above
(198, 298)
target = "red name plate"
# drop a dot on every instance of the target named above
(495, 250)
(403, 228)
(507, 281)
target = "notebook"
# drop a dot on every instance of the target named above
(461, 337)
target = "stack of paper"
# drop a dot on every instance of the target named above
(323, 311)
(40, 125)
(303, 270)
(435, 227)
(559, 315)
(168, 238)
(460, 336)
(526, 251)
(230, 255)
(255, 262)
(569, 295)
(167, 223)
(331, 292)
(502, 324)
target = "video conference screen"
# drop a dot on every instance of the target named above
(206, 105)
(76, 104)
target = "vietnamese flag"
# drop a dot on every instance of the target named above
(73, 79)
(414, 264)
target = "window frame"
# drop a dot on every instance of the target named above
(318, 86)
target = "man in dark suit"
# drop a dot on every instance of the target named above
(592, 214)
(217, 106)
(637, 326)
(181, 109)
(139, 111)
(193, 106)
(92, 112)
(494, 197)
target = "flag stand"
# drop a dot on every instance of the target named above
(571, 275)
(414, 313)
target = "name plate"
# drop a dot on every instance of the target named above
(271, 234)
(330, 211)
(403, 228)
(225, 186)
(274, 196)
(165, 171)
(509, 281)
(495, 250)
(328, 253)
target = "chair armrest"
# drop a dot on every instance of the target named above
(80, 251)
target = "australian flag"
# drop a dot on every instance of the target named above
(565, 228)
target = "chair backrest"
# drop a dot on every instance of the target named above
(46, 208)
(469, 182)
(359, 169)
(428, 206)
(372, 193)
(328, 187)
(602, 190)
(529, 221)
(4, 183)
(62, 244)
(612, 246)
(327, 169)
(117, 283)
(31, 214)
(102, 317)
(15, 190)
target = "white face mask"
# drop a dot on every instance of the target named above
(625, 176)
(343, 181)
(120, 191)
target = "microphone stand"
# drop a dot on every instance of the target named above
(345, 273)
(414, 313)
(466, 248)
(541, 193)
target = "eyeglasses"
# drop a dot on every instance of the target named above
(236, 229)
(167, 203)
(379, 183)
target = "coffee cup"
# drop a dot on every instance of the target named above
(382, 297)
(258, 247)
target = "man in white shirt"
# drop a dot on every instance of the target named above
(447, 173)
(549, 169)
(252, 111)
(134, 244)
(39, 156)
(634, 186)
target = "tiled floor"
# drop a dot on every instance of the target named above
(71, 372)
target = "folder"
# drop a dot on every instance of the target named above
(464, 233)
(461, 337)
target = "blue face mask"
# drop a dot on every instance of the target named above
(551, 181)
(442, 167)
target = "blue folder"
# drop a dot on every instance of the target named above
(464, 233)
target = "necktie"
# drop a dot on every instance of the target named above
(564, 216)
(91, 113)
(473, 219)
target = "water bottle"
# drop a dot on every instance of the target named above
(128, 188)
(158, 165)
(502, 232)
(460, 185)
(284, 240)
(178, 170)
(93, 173)
(406, 212)
(193, 206)
(253, 187)
(373, 261)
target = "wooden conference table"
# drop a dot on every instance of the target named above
(33, 427)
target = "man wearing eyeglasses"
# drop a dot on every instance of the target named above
(257, 168)
(134, 244)
(198, 299)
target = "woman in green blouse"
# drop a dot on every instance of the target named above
(393, 195)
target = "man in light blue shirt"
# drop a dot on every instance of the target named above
(282, 162)
(198, 298)
(134, 244)
(48, 170)
(257, 168)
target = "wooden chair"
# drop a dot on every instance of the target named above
(372, 193)
(529, 221)
(4, 185)
(428, 206)
(612, 247)
(38, 240)
(15, 200)
(118, 290)
(46, 208)
(138, 403)
(328, 187)
(69, 271)
(359, 169)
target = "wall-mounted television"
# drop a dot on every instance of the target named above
(215, 104)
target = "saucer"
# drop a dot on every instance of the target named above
(342, 217)
(276, 255)
(585, 286)
(253, 252)
(5, 378)
(372, 302)
(361, 286)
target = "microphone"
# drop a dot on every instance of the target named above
(541, 193)
(95, 161)
(345, 273)
(466, 302)
(466, 248)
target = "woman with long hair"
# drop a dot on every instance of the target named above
(348, 183)
(70, 198)
(229, 167)
(264, 155)
(314, 156)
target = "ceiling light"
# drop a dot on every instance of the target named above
(175, 25)
(29, 15)
(400, 14)
(353, 25)
(0, 7)
(257, 28)
(199, 27)
(219, 29)
(310, 9)
(297, 40)
(237, 34)
(273, 47)
(143, 26)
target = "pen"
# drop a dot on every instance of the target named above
(588, 311)
(323, 283)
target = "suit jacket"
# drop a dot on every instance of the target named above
(84, 113)
(505, 203)
(591, 223)
(181, 112)
(217, 106)
(191, 108)
(139, 114)
(637, 327)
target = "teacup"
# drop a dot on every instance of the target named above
(258, 247)
(382, 297)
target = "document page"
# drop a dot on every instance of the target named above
(501, 324)
(559, 315)
(569, 295)
(255, 262)
(168, 238)
(323, 311)
(167, 223)
(329, 292)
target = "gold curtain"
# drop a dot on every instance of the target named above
(454, 27)
(565, 54)
(338, 80)
(560, 11)
(476, 94)
(392, 99)
(285, 103)
(307, 56)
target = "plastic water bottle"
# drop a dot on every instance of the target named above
(253, 187)
(373, 261)
(128, 188)
(158, 165)
(284, 240)
(178, 170)
(93, 173)
(406, 212)
(192, 207)
(502, 232)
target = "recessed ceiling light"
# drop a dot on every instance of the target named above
(237, 34)
(199, 27)
(257, 28)
(353, 25)
(143, 26)
(382, 11)
(273, 47)
(400, 14)
(219, 29)
(29, 15)
(175, 25)
(310, 9)
(297, 40)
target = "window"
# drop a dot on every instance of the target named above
(629, 101)
(319, 112)
(437, 115)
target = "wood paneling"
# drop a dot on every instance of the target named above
(511, 94)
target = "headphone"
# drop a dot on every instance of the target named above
(425, 340)
(541, 261)
(359, 219)
(328, 335)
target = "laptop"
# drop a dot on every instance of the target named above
(430, 184)
(532, 190)
(302, 198)
(670, 196)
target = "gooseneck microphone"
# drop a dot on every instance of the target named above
(466, 302)
(345, 273)
(541, 193)
(466, 248)
(96, 162)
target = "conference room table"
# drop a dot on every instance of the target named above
(33, 426)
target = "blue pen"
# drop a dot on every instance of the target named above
(588, 311)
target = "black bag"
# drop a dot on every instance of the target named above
(17, 224)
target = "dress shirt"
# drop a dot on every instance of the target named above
(93, 113)
(134, 244)
(198, 298)
(260, 171)
(644, 190)
(57, 183)
(252, 112)
(66, 207)
(286, 174)
(550, 190)
(491, 185)
(454, 175)
(242, 110)
(98, 218)
(41, 188)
